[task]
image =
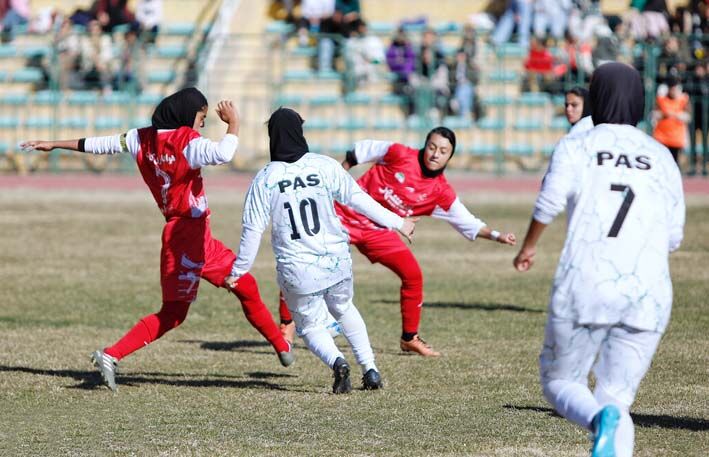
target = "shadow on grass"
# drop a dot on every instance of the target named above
(641, 420)
(473, 306)
(89, 380)
(236, 346)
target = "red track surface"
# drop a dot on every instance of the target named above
(240, 181)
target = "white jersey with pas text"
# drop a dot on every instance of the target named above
(625, 207)
(310, 245)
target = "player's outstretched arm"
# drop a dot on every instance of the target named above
(501, 237)
(40, 145)
(525, 258)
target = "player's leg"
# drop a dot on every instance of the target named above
(388, 249)
(625, 356)
(339, 302)
(567, 356)
(310, 315)
(181, 264)
(218, 263)
(144, 332)
(287, 326)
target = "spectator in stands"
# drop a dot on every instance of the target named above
(577, 59)
(608, 44)
(696, 25)
(111, 13)
(401, 59)
(674, 58)
(67, 47)
(469, 44)
(313, 13)
(96, 58)
(148, 13)
(128, 75)
(16, 13)
(698, 90)
(672, 116)
(365, 53)
(551, 16)
(518, 12)
(431, 74)
(648, 19)
(348, 15)
(463, 79)
(540, 68)
(318, 19)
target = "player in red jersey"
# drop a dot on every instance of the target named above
(410, 183)
(170, 154)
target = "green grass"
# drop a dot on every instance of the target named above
(80, 268)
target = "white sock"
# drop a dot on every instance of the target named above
(624, 435)
(572, 400)
(355, 330)
(322, 345)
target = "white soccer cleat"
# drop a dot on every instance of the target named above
(287, 357)
(107, 366)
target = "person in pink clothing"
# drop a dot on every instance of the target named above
(170, 154)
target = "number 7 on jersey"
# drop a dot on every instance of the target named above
(629, 196)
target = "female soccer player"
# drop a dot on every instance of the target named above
(612, 293)
(577, 109)
(170, 154)
(314, 268)
(410, 183)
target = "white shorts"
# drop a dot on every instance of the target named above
(622, 356)
(310, 311)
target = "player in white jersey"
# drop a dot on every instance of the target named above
(612, 293)
(297, 190)
(577, 109)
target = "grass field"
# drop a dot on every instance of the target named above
(79, 268)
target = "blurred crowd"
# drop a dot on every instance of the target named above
(560, 41)
(97, 47)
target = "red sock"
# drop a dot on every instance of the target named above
(257, 313)
(283, 309)
(149, 329)
(404, 264)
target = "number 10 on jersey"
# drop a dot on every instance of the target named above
(310, 230)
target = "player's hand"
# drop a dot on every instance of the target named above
(407, 228)
(36, 145)
(507, 238)
(227, 112)
(525, 259)
(231, 281)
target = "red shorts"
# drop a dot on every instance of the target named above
(375, 244)
(189, 253)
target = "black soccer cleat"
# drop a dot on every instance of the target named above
(341, 371)
(372, 380)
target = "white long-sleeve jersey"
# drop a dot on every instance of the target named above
(625, 206)
(310, 245)
(199, 152)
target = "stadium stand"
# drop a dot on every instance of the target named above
(260, 61)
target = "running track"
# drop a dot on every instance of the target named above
(240, 181)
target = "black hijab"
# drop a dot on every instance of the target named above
(179, 109)
(445, 132)
(617, 95)
(285, 130)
